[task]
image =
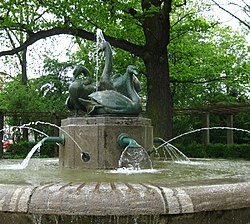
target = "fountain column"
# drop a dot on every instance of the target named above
(206, 124)
(230, 136)
(98, 137)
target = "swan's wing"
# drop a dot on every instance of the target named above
(69, 104)
(111, 99)
(91, 106)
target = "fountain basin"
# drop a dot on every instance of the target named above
(128, 203)
(119, 198)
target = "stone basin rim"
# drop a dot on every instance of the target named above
(121, 199)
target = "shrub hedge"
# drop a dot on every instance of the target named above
(226, 151)
(193, 150)
(21, 150)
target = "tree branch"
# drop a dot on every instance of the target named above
(123, 44)
(233, 15)
(182, 4)
(175, 81)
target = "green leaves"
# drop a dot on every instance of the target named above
(208, 63)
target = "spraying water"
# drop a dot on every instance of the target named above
(198, 130)
(25, 162)
(56, 126)
(175, 153)
(99, 40)
(135, 159)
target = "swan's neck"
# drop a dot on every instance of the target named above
(131, 90)
(105, 80)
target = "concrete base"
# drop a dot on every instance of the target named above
(98, 137)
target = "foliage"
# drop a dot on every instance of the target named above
(53, 87)
(46, 93)
(225, 151)
(209, 68)
(18, 97)
(21, 150)
(207, 63)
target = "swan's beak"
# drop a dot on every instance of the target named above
(102, 46)
(135, 72)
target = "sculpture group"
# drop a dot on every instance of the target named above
(116, 94)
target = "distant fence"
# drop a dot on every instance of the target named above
(229, 111)
(56, 117)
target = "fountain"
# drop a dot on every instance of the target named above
(111, 134)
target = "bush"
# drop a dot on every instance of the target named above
(226, 151)
(193, 150)
(21, 150)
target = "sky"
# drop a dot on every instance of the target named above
(226, 18)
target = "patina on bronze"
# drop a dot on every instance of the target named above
(116, 95)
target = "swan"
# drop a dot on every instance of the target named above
(117, 81)
(119, 85)
(81, 87)
(113, 102)
(105, 79)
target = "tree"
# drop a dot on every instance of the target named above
(122, 23)
(141, 28)
(17, 38)
(44, 94)
(209, 67)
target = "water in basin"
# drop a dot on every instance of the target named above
(195, 172)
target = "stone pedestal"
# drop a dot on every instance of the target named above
(98, 137)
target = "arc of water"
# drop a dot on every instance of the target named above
(31, 128)
(56, 126)
(200, 129)
(25, 162)
(143, 154)
(173, 153)
(52, 125)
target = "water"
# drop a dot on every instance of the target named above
(99, 40)
(174, 153)
(25, 162)
(132, 170)
(132, 158)
(63, 131)
(48, 171)
(135, 159)
(201, 129)
(50, 124)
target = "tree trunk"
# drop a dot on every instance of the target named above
(159, 103)
(156, 28)
(23, 62)
(24, 81)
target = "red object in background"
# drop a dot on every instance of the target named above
(7, 144)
